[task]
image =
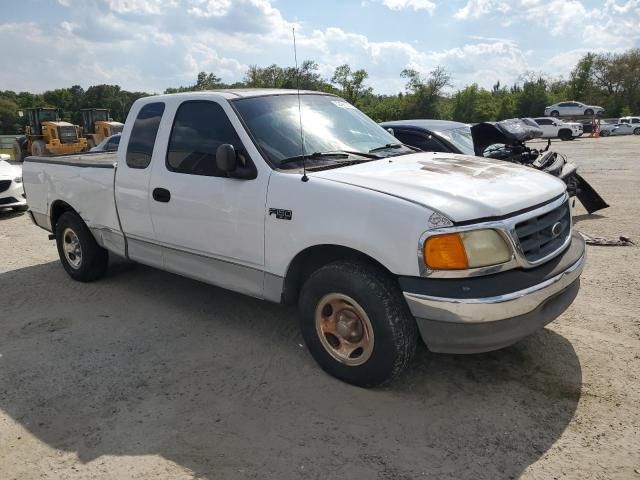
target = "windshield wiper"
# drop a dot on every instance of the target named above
(389, 146)
(334, 154)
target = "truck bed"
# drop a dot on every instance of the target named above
(84, 180)
(95, 160)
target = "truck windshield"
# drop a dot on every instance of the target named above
(330, 124)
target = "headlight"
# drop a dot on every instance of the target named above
(18, 179)
(459, 251)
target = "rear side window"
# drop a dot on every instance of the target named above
(199, 128)
(543, 121)
(424, 142)
(143, 135)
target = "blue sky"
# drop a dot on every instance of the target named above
(150, 45)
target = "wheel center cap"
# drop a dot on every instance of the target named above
(348, 326)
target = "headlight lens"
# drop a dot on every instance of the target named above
(459, 251)
(18, 179)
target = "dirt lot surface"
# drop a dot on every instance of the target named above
(148, 375)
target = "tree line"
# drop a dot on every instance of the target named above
(610, 80)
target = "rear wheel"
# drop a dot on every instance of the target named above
(18, 152)
(604, 133)
(356, 323)
(636, 131)
(39, 148)
(81, 256)
(588, 111)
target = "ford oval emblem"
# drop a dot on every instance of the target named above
(557, 229)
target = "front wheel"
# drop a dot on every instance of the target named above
(555, 113)
(604, 133)
(636, 131)
(356, 323)
(588, 112)
(81, 256)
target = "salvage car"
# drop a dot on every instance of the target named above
(613, 129)
(11, 189)
(505, 140)
(562, 109)
(298, 197)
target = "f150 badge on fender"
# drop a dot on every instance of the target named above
(281, 214)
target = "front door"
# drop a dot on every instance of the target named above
(210, 227)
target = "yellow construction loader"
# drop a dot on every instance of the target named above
(46, 134)
(98, 125)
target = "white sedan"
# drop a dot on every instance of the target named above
(572, 108)
(11, 189)
(613, 129)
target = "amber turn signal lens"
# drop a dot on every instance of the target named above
(445, 252)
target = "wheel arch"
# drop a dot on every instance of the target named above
(59, 207)
(311, 258)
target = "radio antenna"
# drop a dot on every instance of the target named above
(295, 57)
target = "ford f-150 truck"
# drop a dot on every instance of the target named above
(301, 198)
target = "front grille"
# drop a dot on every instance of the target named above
(537, 237)
(7, 200)
(4, 185)
(67, 134)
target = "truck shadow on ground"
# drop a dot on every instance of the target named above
(148, 363)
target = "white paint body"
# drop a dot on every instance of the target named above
(551, 127)
(11, 189)
(219, 229)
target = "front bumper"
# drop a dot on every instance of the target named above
(464, 323)
(13, 196)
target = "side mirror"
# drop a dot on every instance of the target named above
(226, 158)
(390, 130)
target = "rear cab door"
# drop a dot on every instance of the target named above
(209, 226)
(133, 175)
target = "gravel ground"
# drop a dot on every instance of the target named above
(148, 375)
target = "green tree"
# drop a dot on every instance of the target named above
(425, 93)
(351, 83)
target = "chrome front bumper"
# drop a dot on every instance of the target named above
(469, 325)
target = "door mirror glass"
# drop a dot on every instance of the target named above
(226, 158)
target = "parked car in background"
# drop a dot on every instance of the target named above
(614, 129)
(572, 108)
(11, 189)
(433, 135)
(631, 120)
(554, 128)
(109, 144)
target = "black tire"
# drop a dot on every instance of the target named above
(39, 148)
(588, 112)
(636, 131)
(93, 258)
(18, 152)
(604, 133)
(21, 208)
(565, 135)
(555, 113)
(394, 330)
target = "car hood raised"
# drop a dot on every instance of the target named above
(461, 187)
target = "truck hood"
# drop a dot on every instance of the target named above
(460, 187)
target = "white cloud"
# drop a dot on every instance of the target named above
(479, 8)
(416, 5)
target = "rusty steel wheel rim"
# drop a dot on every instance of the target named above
(344, 329)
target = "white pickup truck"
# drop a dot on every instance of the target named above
(377, 244)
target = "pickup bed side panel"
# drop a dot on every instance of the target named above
(323, 212)
(87, 187)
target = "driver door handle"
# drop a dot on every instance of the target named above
(161, 195)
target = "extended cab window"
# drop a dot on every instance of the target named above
(199, 128)
(143, 135)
